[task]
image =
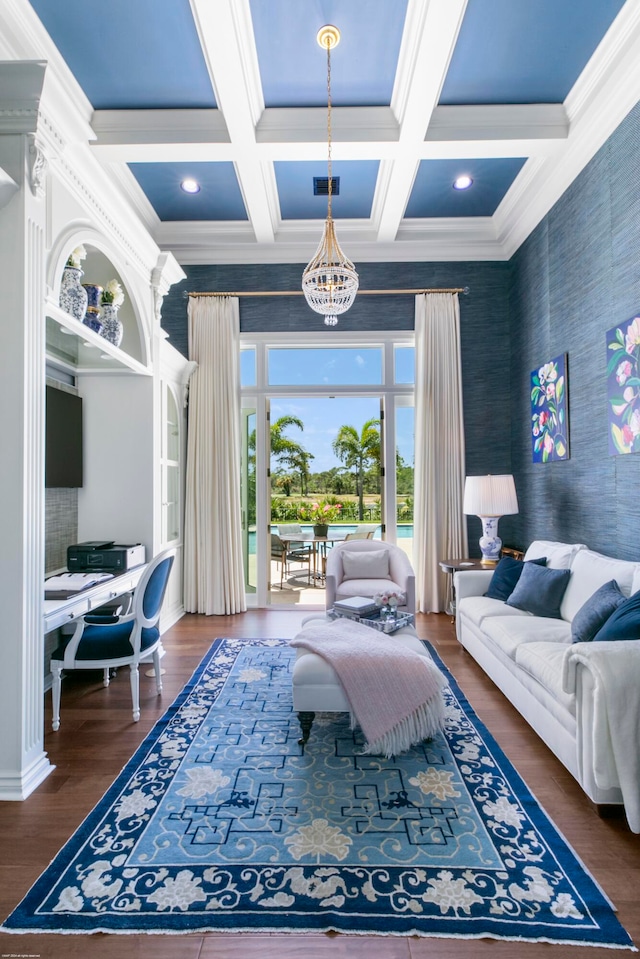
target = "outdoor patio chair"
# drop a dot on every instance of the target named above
(288, 554)
(363, 531)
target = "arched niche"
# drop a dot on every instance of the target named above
(101, 264)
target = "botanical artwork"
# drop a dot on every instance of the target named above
(623, 387)
(549, 416)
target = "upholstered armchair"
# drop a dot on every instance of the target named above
(364, 567)
(106, 642)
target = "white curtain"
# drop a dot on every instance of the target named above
(439, 526)
(213, 566)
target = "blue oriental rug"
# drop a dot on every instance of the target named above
(221, 822)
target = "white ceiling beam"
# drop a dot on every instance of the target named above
(359, 133)
(123, 127)
(228, 45)
(503, 122)
(438, 240)
(292, 125)
(430, 34)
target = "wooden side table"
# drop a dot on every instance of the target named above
(452, 566)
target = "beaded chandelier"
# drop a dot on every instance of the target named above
(329, 281)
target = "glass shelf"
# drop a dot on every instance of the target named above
(81, 349)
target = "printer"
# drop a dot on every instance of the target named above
(104, 556)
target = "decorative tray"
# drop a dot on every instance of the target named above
(387, 626)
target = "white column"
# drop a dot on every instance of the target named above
(23, 761)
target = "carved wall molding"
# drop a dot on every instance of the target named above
(38, 166)
(166, 272)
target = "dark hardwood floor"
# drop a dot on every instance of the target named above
(97, 736)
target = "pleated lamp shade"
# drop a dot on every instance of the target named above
(490, 495)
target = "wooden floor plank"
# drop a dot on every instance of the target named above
(97, 736)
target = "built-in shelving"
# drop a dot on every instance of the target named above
(83, 351)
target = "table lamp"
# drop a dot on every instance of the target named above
(490, 497)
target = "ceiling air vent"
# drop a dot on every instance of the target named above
(321, 186)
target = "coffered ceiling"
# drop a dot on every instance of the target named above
(517, 94)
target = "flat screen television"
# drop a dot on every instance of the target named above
(63, 453)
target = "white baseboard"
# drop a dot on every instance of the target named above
(16, 786)
(170, 617)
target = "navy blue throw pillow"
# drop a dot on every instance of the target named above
(506, 576)
(540, 590)
(623, 624)
(595, 612)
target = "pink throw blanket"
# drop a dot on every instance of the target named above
(395, 693)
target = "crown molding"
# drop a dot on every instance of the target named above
(21, 86)
(609, 68)
(23, 38)
(108, 208)
(603, 96)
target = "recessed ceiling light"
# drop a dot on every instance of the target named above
(462, 182)
(190, 186)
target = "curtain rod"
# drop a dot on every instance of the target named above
(455, 289)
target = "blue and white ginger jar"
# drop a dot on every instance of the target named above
(112, 328)
(73, 296)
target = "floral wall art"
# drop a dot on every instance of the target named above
(549, 419)
(623, 387)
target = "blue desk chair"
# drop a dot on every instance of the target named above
(106, 642)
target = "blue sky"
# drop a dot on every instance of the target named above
(323, 418)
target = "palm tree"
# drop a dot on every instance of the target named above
(287, 452)
(359, 451)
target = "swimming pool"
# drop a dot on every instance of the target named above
(405, 531)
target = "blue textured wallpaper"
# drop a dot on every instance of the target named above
(574, 278)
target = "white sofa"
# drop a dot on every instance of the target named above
(558, 686)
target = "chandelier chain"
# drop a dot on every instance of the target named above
(329, 164)
(329, 280)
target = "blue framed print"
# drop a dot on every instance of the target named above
(549, 411)
(623, 387)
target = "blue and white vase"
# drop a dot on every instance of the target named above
(112, 328)
(73, 296)
(94, 292)
(92, 313)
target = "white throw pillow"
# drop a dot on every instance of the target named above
(558, 555)
(591, 571)
(373, 564)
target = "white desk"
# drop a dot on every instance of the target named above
(57, 612)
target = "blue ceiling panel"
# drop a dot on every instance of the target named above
(295, 189)
(293, 67)
(219, 197)
(433, 193)
(127, 56)
(524, 51)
